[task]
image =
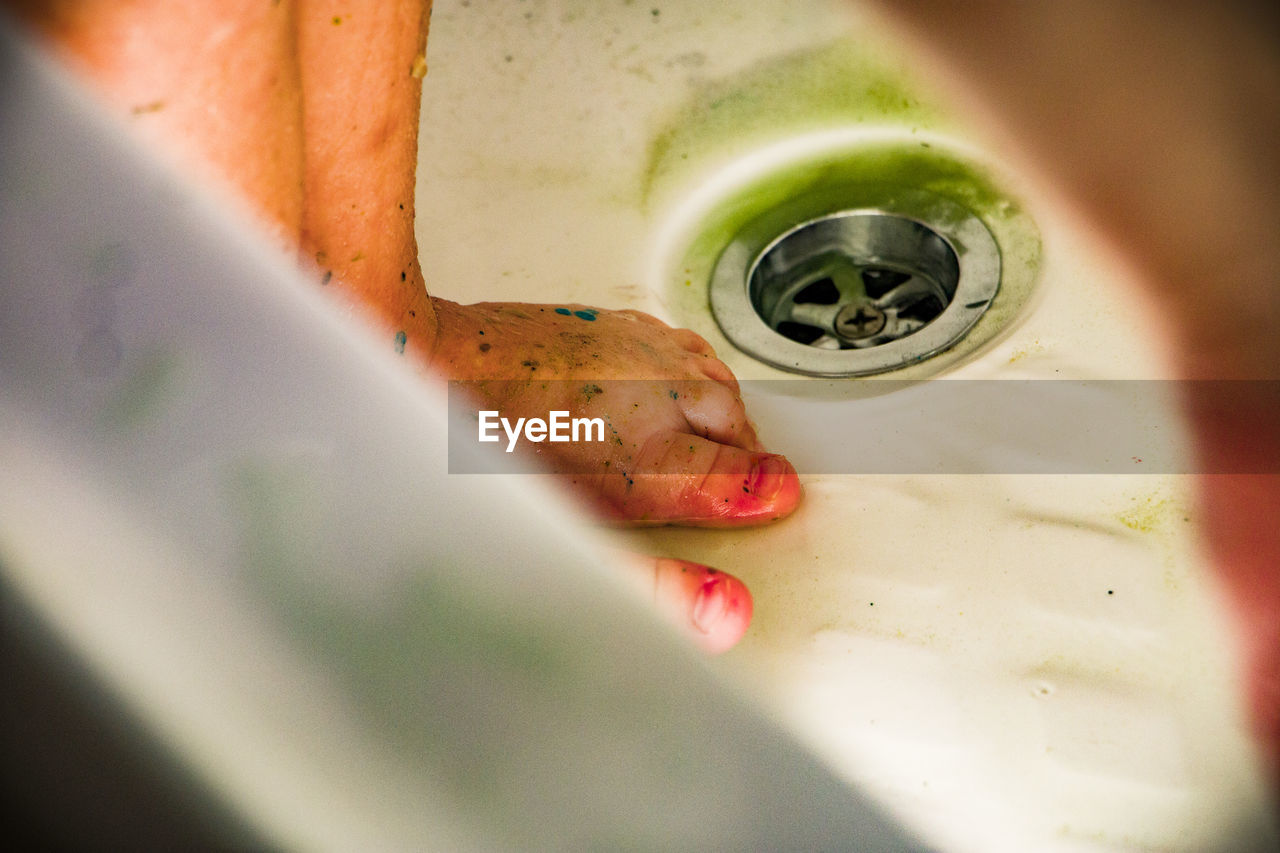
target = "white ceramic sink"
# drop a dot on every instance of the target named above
(1009, 661)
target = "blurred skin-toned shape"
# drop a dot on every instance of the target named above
(1159, 120)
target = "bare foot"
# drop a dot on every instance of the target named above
(679, 448)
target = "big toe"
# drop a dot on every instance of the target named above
(686, 479)
(710, 606)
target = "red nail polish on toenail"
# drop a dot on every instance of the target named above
(712, 603)
(767, 477)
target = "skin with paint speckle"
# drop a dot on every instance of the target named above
(679, 447)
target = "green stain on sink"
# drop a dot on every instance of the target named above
(847, 84)
(1149, 513)
(918, 179)
(872, 174)
(840, 84)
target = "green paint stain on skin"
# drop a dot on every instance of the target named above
(401, 340)
(585, 315)
(565, 311)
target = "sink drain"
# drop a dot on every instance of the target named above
(856, 292)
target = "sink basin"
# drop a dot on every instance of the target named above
(1006, 660)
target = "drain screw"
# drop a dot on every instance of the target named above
(859, 321)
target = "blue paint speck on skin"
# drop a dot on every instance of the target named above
(585, 315)
(401, 340)
(565, 311)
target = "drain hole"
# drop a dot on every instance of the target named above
(854, 280)
(799, 332)
(822, 292)
(880, 281)
(923, 311)
(855, 292)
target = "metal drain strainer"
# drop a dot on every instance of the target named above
(856, 292)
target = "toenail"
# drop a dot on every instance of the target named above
(711, 605)
(767, 476)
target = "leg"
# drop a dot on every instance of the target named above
(361, 67)
(215, 86)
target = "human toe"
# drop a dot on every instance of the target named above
(688, 480)
(716, 412)
(711, 607)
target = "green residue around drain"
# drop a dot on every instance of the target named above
(848, 83)
(905, 167)
(925, 181)
(873, 174)
(1147, 515)
(838, 85)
